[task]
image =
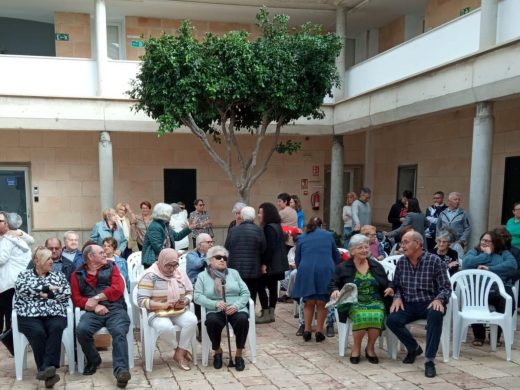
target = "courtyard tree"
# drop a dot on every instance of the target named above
(227, 84)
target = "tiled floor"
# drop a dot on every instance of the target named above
(285, 361)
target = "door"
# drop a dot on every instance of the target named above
(14, 187)
(349, 184)
(511, 187)
(180, 185)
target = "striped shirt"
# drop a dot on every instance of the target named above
(427, 281)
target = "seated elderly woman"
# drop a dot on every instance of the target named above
(159, 234)
(443, 250)
(166, 292)
(376, 248)
(41, 297)
(368, 314)
(110, 247)
(108, 227)
(224, 294)
(491, 255)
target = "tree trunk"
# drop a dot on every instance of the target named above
(245, 193)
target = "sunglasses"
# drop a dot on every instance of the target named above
(220, 257)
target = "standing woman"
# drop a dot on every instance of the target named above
(126, 219)
(347, 217)
(142, 222)
(491, 255)
(295, 204)
(41, 304)
(368, 314)
(274, 260)
(414, 218)
(160, 235)
(15, 255)
(316, 257)
(108, 227)
(200, 221)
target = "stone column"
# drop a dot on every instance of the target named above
(368, 179)
(480, 176)
(341, 31)
(336, 185)
(106, 171)
(101, 45)
(488, 24)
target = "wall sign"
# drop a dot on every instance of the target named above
(305, 184)
(315, 170)
(137, 44)
(10, 181)
(62, 37)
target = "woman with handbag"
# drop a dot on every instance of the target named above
(166, 292)
(160, 235)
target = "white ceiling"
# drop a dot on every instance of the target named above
(361, 14)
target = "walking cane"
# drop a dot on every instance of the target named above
(231, 362)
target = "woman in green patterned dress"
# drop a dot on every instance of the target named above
(368, 314)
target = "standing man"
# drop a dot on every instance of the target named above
(456, 220)
(398, 210)
(421, 289)
(71, 249)
(432, 215)
(98, 288)
(361, 211)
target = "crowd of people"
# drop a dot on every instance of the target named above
(264, 249)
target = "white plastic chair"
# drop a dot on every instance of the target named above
(515, 314)
(135, 269)
(129, 336)
(20, 343)
(391, 259)
(251, 335)
(182, 263)
(470, 306)
(149, 335)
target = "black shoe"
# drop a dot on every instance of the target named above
(217, 361)
(50, 382)
(330, 331)
(122, 377)
(300, 330)
(307, 335)
(239, 363)
(371, 359)
(355, 359)
(91, 368)
(46, 373)
(429, 370)
(319, 337)
(410, 357)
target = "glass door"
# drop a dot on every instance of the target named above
(14, 193)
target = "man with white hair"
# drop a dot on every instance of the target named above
(71, 249)
(421, 289)
(456, 220)
(246, 244)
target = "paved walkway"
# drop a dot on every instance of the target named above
(285, 361)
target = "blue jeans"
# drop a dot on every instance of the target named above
(397, 321)
(117, 323)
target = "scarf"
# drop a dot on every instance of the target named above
(218, 277)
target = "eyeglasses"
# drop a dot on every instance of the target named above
(404, 242)
(208, 242)
(175, 265)
(201, 204)
(220, 257)
(513, 210)
(486, 241)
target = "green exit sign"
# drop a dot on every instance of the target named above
(61, 36)
(137, 44)
(464, 11)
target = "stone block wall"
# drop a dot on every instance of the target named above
(77, 25)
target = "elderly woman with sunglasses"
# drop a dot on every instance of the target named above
(166, 292)
(41, 297)
(224, 294)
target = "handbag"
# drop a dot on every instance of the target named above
(170, 312)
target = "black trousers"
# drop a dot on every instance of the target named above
(44, 335)
(6, 306)
(215, 323)
(252, 285)
(495, 299)
(269, 282)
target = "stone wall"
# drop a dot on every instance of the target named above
(78, 27)
(441, 11)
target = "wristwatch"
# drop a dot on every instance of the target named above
(97, 297)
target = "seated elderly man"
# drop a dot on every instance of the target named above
(59, 263)
(71, 249)
(98, 288)
(196, 262)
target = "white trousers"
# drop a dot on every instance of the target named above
(165, 327)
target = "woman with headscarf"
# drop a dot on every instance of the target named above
(209, 292)
(41, 300)
(166, 292)
(109, 227)
(160, 235)
(15, 255)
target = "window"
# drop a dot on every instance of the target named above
(114, 49)
(406, 179)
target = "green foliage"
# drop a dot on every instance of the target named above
(289, 147)
(281, 76)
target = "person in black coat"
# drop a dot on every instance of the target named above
(368, 313)
(274, 261)
(246, 244)
(398, 210)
